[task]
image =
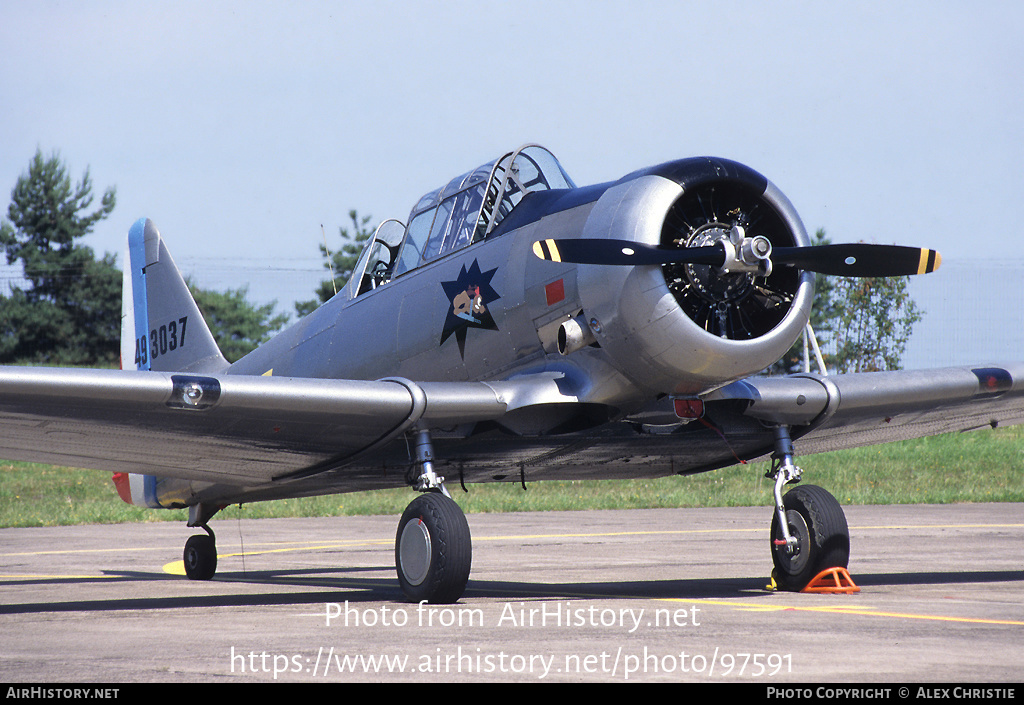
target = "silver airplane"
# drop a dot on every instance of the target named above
(517, 328)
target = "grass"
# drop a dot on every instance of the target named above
(983, 466)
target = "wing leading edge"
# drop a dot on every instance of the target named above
(852, 410)
(231, 429)
(271, 437)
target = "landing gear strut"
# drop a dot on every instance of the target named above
(433, 546)
(809, 531)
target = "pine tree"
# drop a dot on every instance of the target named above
(237, 325)
(70, 311)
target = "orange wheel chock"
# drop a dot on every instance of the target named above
(832, 580)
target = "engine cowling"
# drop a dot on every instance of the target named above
(685, 328)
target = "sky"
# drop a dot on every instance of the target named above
(246, 130)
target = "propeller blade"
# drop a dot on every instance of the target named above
(855, 260)
(624, 252)
(860, 260)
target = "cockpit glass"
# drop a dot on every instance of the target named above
(441, 223)
(470, 206)
(415, 238)
(375, 265)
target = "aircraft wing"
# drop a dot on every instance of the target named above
(851, 410)
(308, 436)
(231, 429)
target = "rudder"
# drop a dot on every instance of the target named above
(162, 328)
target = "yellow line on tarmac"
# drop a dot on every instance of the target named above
(841, 609)
(178, 567)
(719, 530)
(298, 546)
(57, 576)
(943, 526)
(598, 534)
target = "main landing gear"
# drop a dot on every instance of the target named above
(433, 546)
(809, 532)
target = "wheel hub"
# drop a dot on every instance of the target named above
(794, 559)
(414, 552)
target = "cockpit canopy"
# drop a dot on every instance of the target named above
(464, 211)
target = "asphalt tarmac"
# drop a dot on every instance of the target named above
(609, 596)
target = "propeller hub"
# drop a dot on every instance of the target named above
(755, 248)
(747, 254)
(742, 296)
(718, 285)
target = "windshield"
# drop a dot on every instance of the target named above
(376, 263)
(470, 206)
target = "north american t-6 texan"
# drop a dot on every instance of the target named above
(517, 328)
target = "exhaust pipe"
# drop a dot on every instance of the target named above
(575, 334)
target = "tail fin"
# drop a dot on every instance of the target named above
(161, 326)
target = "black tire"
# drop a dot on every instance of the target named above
(200, 557)
(433, 550)
(817, 521)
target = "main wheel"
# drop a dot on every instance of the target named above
(818, 523)
(433, 550)
(200, 557)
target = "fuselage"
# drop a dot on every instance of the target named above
(396, 330)
(467, 292)
(489, 309)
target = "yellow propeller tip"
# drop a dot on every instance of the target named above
(929, 262)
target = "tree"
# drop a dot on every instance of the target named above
(70, 313)
(862, 324)
(340, 263)
(823, 309)
(238, 326)
(872, 326)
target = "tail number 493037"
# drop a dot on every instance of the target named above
(160, 341)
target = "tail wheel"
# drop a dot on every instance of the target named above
(433, 550)
(816, 520)
(200, 557)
